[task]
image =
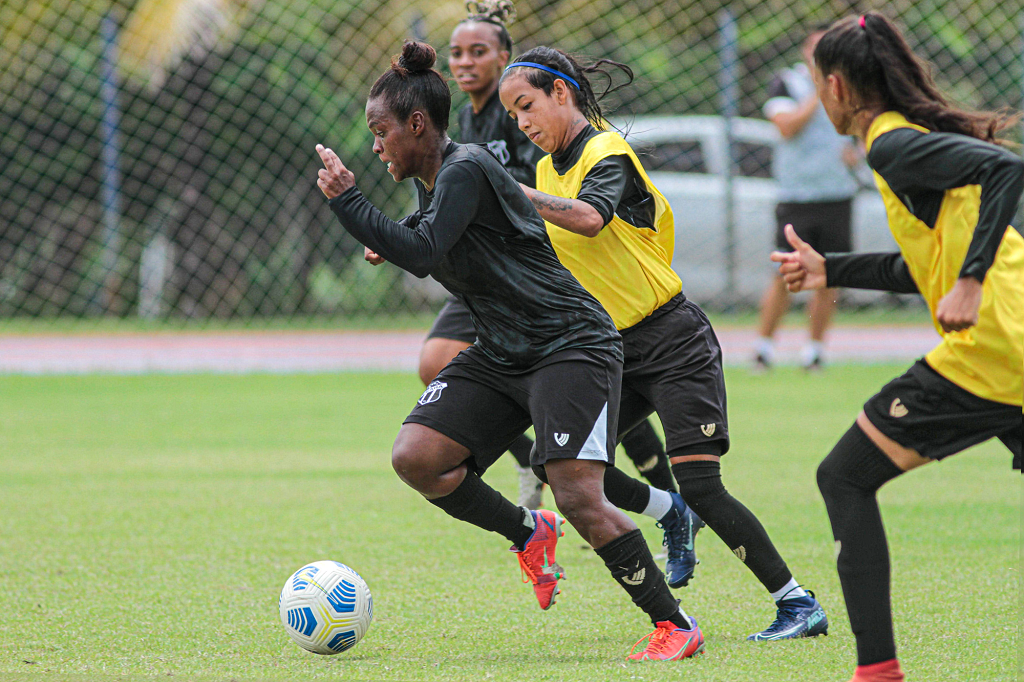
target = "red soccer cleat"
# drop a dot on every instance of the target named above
(537, 558)
(670, 643)
(886, 671)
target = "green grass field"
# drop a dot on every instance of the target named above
(147, 525)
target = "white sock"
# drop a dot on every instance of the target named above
(659, 504)
(811, 352)
(528, 519)
(790, 591)
(688, 619)
(765, 347)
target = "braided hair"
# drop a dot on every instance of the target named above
(498, 13)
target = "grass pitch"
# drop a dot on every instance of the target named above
(147, 525)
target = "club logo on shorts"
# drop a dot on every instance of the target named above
(561, 439)
(741, 553)
(898, 409)
(708, 429)
(432, 393)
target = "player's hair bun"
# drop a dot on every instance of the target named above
(501, 12)
(416, 57)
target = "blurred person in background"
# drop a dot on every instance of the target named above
(812, 164)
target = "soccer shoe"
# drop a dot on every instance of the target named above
(886, 671)
(761, 364)
(799, 617)
(530, 488)
(537, 557)
(680, 525)
(669, 643)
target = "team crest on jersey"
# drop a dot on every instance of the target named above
(707, 429)
(561, 439)
(500, 149)
(898, 409)
(433, 392)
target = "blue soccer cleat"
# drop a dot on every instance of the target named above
(799, 617)
(680, 525)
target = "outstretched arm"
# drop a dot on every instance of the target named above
(416, 247)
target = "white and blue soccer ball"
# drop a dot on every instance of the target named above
(326, 607)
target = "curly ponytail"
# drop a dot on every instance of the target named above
(412, 83)
(873, 56)
(497, 13)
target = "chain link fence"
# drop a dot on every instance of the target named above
(157, 156)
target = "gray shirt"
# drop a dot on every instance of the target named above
(808, 166)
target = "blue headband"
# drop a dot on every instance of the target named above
(545, 68)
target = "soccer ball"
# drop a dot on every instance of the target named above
(326, 607)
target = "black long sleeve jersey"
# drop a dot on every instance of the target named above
(919, 168)
(496, 130)
(479, 236)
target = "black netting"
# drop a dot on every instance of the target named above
(156, 156)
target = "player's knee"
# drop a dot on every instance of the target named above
(577, 504)
(409, 462)
(700, 482)
(854, 466)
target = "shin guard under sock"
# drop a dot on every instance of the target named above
(520, 449)
(645, 449)
(475, 502)
(848, 479)
(631, 564)
(700, 484)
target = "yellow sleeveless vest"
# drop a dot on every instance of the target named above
(987, 359)
(628, 269)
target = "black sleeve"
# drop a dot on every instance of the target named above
(881, 271)
(908, 159)
(604, 185)
(525, 154)
(419, 242)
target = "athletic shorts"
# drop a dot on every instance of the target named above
(673, 366)
(924, 411)
(453, 322)
(825, 225)
(571, 399)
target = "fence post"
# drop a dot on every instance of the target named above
(728, 36)
(111, 184)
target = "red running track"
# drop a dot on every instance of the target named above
(333, 351)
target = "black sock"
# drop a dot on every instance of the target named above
(645, 448)
(520, 449)
(700, 484)
(626, 492)
(631, 564)
(848, 479)
(477, 503)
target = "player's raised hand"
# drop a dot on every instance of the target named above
(371, 257)
(803, 268)
(333, 178)
(958, 309)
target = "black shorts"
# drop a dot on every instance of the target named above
(924, 411)
(673, 366)
(825, 225)
(453, 322)
(571, 399)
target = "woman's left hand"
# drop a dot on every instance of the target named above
(958, 309)
(334, 178)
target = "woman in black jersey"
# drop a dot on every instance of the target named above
(479, 49)
(612, 228)
(546, 353)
